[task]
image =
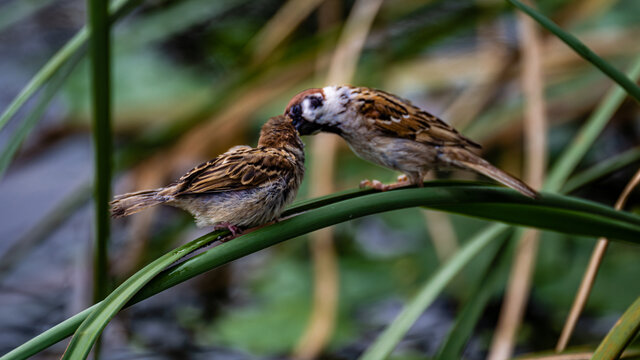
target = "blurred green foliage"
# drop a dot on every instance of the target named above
(178, 64)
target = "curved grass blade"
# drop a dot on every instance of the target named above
(575, 354)
(332, 214)
(466, 320)
(601, 169)
(35, 114)
(43, 75)
(622, 333)
(91, 328)
(563, 167)
(553, 212)
(392, 335)
(588, 133)
(468, 317)
(561, 171)
(301, 206)
(118, 9)
(593, 219)
(616, 75)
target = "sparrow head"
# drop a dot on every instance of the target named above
(279, 132)
(315, 110)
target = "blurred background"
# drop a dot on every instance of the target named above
(192, 78)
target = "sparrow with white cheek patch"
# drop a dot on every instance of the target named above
(391, 132)
(243, 188)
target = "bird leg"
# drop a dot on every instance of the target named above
(235, 231)
(402, 181)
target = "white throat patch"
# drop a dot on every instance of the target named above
(336, 99)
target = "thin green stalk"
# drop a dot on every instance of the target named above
(616, 75)
(468, 317)
(100, 53)
(621, 335)
(592, 219)
(560, 171)
(90, 329)
(392, 335)
(588, 134)
(35, 114)
(579, 213)
(42, 76)
(601, 169)
(118, 9)
(568, 161)
(101, 107)
(579, 353)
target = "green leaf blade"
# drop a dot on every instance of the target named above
(117, 9)
(359, 203)
(616, 75)
(621, 335)
(588, 133)
(392, 335)
(91, 328)
(470, 314)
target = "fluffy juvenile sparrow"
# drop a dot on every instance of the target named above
(391, 132)
(240, 189)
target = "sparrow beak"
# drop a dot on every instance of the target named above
(305, 127)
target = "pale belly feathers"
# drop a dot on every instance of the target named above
(243, 208)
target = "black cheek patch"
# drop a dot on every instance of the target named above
(315, 102)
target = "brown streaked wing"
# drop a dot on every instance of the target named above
(398, 117)
(243, 169)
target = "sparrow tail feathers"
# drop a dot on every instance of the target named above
(131, 203)
(469, 160)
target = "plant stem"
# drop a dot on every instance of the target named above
(98, 21)
(622, 333)
(581, 49)
(118, 9)
(554, 212)
(588, 133)
(392, 335)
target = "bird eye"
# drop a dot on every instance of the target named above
(296, 110)
(315, 102)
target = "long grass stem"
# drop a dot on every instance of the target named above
(581, 49)
(583, 140)
(552, 212)
(118, 9)
(99, 48)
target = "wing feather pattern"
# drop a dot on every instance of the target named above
(399, 117)
(240, 169)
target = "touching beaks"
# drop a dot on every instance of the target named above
(305, 127)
